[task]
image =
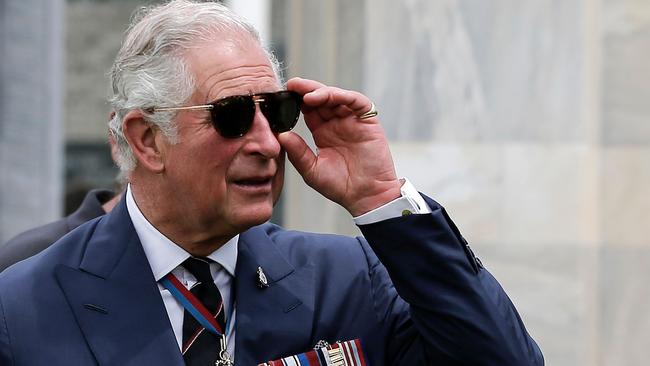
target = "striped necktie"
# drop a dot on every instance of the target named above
(200, 347)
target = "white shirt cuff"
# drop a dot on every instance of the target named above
(411, 202)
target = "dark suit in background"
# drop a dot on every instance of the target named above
(33, 241)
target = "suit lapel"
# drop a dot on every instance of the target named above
(277, 320)
(116, 300)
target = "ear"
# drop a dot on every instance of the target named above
(112, 141)
(141, 136)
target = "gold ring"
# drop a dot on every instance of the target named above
(371, 113)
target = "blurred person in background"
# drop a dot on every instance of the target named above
(186, 270)
(96, 202)
(24, 245)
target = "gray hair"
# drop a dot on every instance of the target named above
(149, 69)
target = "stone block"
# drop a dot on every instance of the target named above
(553, 289)
(466, 71)
(624, 321)
(467, 179)
(551, 194)
(626, 196)
(510, 193)
(626, 72)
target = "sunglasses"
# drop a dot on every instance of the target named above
(233, 116)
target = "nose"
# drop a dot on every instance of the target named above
(260, 139)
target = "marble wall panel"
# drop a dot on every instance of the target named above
(552, 288)
(530, 60)
(551, 194)
(510, 193)
(626, 72)
(419, 69)
(468, 180)
(487, 71)
(624, 300)
(626, 196)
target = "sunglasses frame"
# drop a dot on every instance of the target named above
(257, 98)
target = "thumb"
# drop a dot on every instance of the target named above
(299, 153)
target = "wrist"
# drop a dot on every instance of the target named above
(386, 194)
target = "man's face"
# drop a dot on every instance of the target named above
(224, 186)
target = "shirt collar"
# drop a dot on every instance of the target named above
(163, 254)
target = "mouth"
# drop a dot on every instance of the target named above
(259, 184)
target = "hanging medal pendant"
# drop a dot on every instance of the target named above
(224, 356)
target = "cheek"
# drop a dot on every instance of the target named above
(278, 182)
(217, 159)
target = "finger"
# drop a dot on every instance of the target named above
(317, 94)
(330, 97)
(313, 119)
(303, 86)
(343, 111)
(327, 114)
(322, 103)
(320, 114)
(300, 155)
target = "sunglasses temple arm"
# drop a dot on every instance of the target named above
(190, 108)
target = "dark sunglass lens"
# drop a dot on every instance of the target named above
(281, 109)
(233, 116)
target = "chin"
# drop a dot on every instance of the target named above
(253, 216)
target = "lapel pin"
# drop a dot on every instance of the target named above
(262, 282)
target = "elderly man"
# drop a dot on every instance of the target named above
(185, 270)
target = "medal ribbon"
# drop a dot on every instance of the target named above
(347, 353)
(193, 305)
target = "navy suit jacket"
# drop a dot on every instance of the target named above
(91, 299)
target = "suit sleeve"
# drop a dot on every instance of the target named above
(455, 312)
(5, 347)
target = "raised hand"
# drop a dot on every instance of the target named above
(353, 165)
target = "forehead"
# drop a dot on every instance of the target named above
(230, 66)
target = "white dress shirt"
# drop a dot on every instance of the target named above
(164, 256)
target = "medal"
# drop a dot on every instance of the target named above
(348, 353)
(224, 356)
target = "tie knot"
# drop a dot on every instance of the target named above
(199, 268)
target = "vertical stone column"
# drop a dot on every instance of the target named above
(31, 100)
